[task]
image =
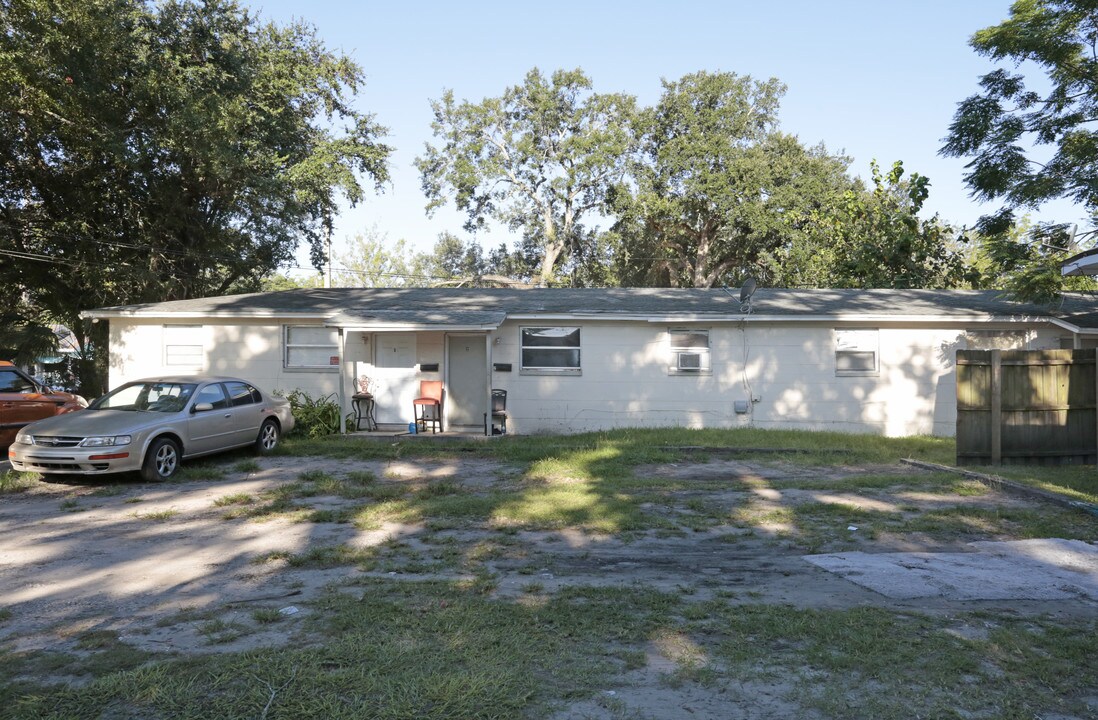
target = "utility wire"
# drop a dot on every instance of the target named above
(90, 263)
(198, 255)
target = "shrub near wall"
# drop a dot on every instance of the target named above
(314, 417)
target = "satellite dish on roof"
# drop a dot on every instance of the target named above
(747, 290)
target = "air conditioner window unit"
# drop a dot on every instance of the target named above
(690, 361)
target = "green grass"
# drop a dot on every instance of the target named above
(314, 476)
(240, 498)
(17, 482)
(208, 471)
(384, 659)
(326, 556)
(353, 487)
(220, 631)
(586, 505)
(416, 646)
(110, 491)
(1078, 482)
(818, 525)
(266, 616)
(1008, 523)
(157, 515)
(247, 465)
(845, 661)
(361, 477)
(599, 454)
(590, 482)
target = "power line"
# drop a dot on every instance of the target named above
(191, 254)
(37, 257)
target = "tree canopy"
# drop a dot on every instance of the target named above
(538, 159)
(156, 151)
(715, 184)
(1029, 146)
(702, 189)
(874, 238)
(1006, 126)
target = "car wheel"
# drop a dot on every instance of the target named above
(162, 460)
(269, 435)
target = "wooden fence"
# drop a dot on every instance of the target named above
(1027, 407)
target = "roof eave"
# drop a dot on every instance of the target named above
(408, 327)
(1084, 263)
(189, 315)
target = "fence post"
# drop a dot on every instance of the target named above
(996, 407)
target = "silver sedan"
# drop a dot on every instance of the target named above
(151, 425)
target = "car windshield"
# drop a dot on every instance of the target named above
(149, 397)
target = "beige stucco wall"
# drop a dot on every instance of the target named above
(253, 352)
(787, 369)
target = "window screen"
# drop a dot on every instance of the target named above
(311, 346)
(551, 348)
(689, 351)
(856, 352)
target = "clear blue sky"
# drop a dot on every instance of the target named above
(871, 78)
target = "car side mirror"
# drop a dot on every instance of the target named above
(202, 407)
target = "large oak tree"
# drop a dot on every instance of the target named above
(538, 158)
(715, 185)
(158, 151)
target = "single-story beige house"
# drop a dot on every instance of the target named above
(570, 360)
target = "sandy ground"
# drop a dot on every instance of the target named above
(129, 557)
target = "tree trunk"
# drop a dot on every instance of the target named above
(701, 259)
(553, 251)
(554, 246)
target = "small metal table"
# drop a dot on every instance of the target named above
(363, 404)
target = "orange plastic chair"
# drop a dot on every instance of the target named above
(427, 408)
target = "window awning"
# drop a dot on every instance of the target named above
(405, 320)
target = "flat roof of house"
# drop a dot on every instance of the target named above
(1077, 309)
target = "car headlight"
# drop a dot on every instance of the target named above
(105, 441)
(24, 439)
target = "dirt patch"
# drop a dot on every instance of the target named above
(168, 568)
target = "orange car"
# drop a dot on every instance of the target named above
(23, 400)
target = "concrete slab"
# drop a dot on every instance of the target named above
(1045, 569)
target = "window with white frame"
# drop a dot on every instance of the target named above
(310, 346)
(551, 349)
(183, 346)
(689, 351)
(1084, 343)
(857, 352)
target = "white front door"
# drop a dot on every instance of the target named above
(395, 377)
(467, 379)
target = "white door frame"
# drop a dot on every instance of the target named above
(487, 368)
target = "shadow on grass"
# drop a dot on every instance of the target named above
(587, 481)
